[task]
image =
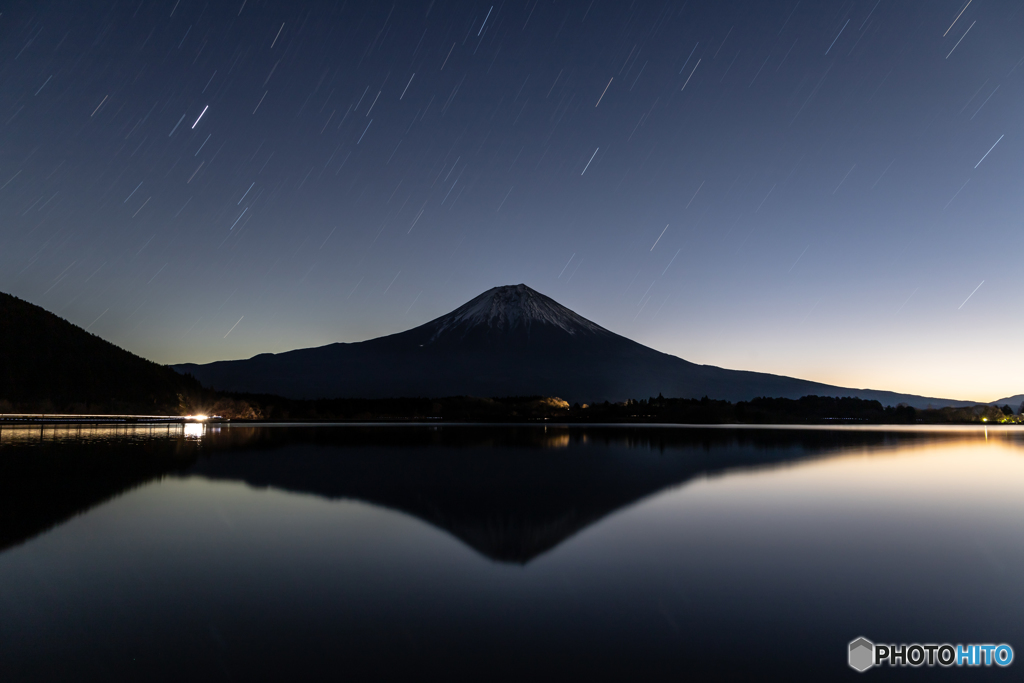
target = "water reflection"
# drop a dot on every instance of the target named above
(483, 553)
(510, 493)
(28, 434)
(194, 430)
(51, 473)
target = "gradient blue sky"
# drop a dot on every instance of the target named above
(362, 168)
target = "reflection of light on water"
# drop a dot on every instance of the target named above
(557, 440)
(194, 430)
(34, 434)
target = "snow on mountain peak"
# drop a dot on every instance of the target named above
(506, 308)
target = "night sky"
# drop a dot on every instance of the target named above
(829, 190)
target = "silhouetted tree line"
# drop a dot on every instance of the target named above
(452, 409)
(806, 410)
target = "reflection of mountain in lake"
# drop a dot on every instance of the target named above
(45, 481)
(510, 493)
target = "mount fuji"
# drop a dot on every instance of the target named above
(509, 341)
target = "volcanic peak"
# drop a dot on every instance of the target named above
(512, 306)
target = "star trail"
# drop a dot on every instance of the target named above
(807, 188)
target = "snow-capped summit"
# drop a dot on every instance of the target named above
(512, 307)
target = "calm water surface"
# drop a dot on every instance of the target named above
(475, 552)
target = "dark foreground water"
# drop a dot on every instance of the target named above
(483, 553)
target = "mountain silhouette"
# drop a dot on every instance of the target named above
(50, 365)
(509, 341)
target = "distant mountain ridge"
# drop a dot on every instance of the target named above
(1014, 402)
(509, 341)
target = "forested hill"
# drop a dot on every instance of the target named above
(50, 365)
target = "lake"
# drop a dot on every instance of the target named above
(477, 552)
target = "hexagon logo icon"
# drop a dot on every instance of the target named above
(862, 654)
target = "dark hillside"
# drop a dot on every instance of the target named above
(50, 365)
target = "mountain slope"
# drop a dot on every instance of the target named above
(1014, 402)
(50, 365)
(508, 341)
